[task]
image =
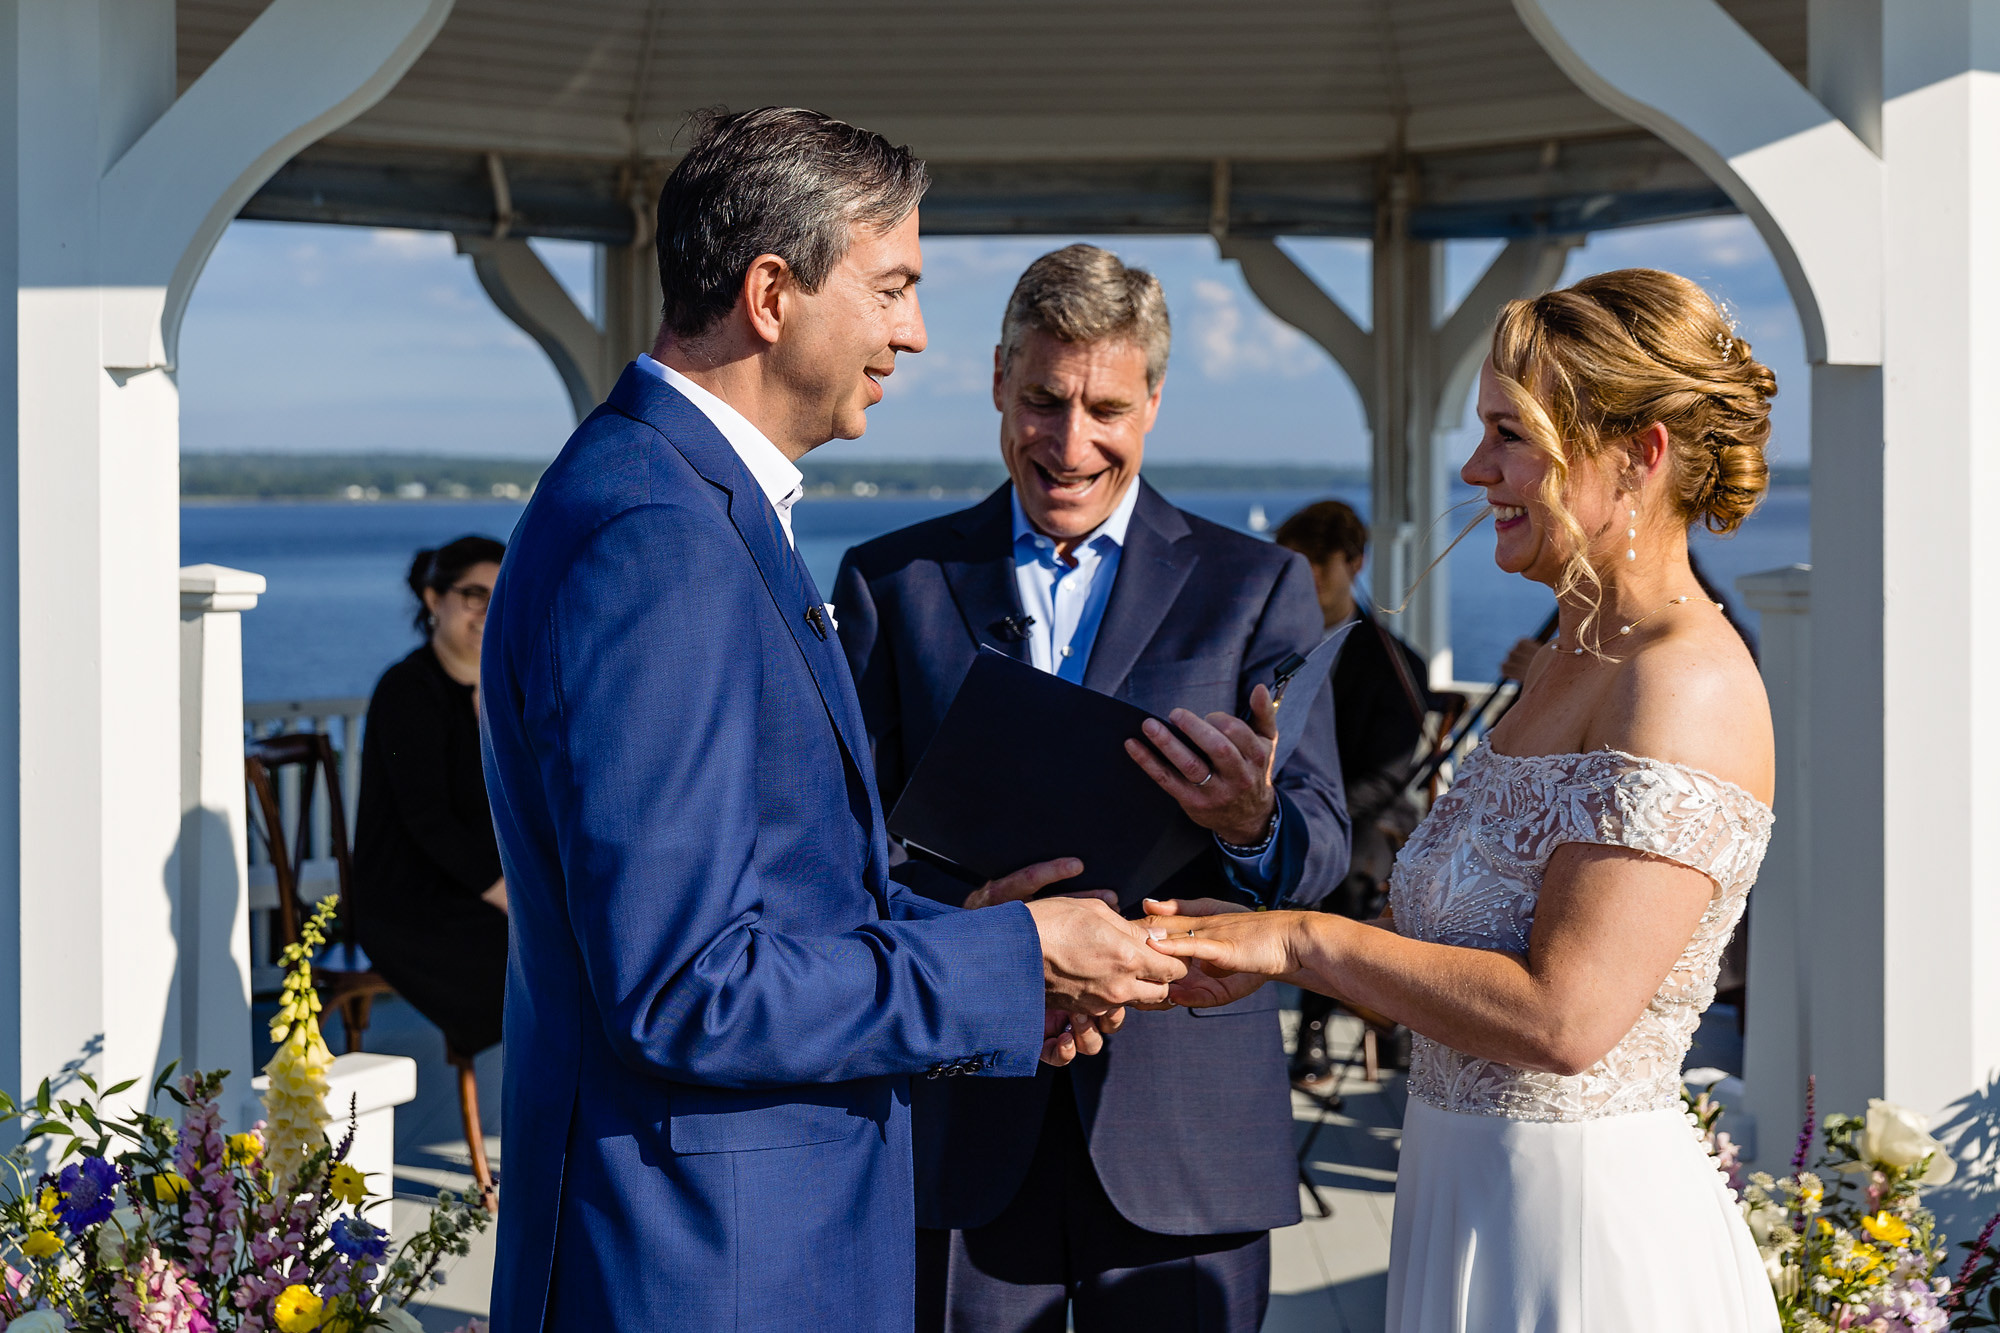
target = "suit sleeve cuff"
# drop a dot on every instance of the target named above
(1255, 870)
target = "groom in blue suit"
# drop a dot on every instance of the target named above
(716, 996)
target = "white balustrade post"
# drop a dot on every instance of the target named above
(1778, 1039)
(212, 926)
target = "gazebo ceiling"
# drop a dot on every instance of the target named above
(1037, 115)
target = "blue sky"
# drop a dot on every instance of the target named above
(347, 340)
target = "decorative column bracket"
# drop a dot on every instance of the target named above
(301, 69)
(521, 285)
(1811, 186)
(1411, 371)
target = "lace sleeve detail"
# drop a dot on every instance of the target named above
(1472, 872)
(1677, 814)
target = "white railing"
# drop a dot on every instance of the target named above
(344, 721)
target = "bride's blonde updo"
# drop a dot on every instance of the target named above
(1601, 360)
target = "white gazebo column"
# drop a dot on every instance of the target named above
(1881, 214)
(1412, 370)
(1940, 627)
(112, 193)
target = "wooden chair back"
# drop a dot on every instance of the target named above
(1447, 709)
(264, 761)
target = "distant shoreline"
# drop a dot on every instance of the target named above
(408, 479)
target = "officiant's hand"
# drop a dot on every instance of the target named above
(1226, 787)
(1205, 986)
(1094, 961)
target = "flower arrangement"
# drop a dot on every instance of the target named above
(1845, 1237)
(143, 1226)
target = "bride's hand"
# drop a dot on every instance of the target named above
(1263, 943)
(1205, 986)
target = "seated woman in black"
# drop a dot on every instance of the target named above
(430, 906)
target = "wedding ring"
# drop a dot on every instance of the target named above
(1204, 782)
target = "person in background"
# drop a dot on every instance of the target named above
(1379, 702)
(430, 906)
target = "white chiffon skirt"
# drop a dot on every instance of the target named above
(1618, 1225)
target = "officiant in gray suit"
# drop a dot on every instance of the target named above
(1136, 1188)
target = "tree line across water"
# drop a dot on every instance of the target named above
(366, 477)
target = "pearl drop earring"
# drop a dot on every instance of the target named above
(1632, 535)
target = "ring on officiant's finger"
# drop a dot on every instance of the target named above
(1205, 780)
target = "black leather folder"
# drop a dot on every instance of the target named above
(1028, 767)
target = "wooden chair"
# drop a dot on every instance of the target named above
(347, 983)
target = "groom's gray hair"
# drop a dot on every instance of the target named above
(775, 181)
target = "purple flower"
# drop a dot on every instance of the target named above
(86, 1193)
(359, 1239)
(1804, 1149)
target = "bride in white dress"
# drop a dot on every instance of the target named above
(1556, 922)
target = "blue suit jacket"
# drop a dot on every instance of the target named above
(1188, 1112)
(715, 995)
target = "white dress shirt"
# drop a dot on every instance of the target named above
(776, 475)
(1066, 602)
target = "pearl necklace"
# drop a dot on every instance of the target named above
(1555, 644)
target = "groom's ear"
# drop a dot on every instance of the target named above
(767, 284)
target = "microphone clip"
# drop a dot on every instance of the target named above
(1012, 629)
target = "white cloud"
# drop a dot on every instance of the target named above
(398, 243)
(1233, 337)
(940, 374)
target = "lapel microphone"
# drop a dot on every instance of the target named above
(817, 619)
(1013, 629)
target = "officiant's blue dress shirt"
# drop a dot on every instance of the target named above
(1065, 606)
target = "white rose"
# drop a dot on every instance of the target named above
(1896, 1137)
(398, 1320)
(38, 1321)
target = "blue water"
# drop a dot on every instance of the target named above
(337, 610)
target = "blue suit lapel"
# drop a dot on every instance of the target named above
(981, 574)
(785, 576)
(1151, 569)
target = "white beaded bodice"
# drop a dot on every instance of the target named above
(1472, 870)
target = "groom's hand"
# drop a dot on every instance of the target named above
(1094, 962)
